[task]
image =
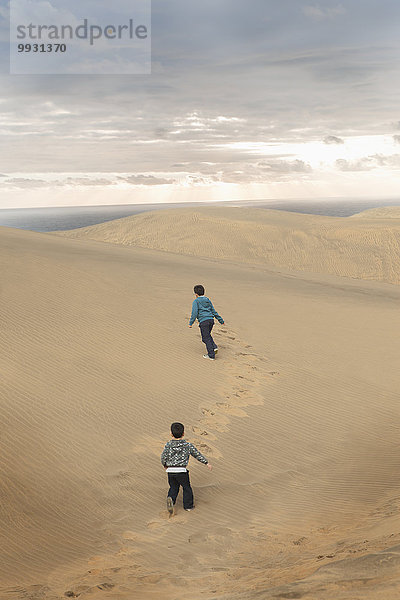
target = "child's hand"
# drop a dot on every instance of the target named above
(209, 466)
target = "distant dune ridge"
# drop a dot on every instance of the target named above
(299, 413)
(383, 212)
(364, 246)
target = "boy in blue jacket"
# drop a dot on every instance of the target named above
(204, 312)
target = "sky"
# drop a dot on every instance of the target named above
(246, 100)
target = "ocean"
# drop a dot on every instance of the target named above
(72, 217)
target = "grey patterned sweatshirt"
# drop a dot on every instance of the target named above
(176, 453)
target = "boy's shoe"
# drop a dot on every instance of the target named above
(209, 357)
(170, 505)
(189, 508)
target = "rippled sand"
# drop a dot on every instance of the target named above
(299, 414)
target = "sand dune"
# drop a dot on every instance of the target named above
(299, 416)
(383, 212)
(350, 247)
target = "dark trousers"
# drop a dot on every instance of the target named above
(205, 328)
(176, 480)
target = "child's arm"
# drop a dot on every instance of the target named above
(216, 315)
(197, 454)
(164, 456)
(195, 311)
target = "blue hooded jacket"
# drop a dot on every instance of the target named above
(202, 310)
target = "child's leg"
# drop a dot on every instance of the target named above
(212, 339)
(205, 328)
(187, 490)
(173, 486)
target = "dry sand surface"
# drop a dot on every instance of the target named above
(299, 413)
(364, 246)
(383, 212)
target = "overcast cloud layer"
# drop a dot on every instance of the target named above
(246, 100)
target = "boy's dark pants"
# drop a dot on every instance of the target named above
(176, 480)
(205, 328)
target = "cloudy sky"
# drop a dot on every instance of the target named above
(255, 99)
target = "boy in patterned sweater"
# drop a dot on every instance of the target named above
(175, 458)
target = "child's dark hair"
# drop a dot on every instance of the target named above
(199, 290)
(177, 430)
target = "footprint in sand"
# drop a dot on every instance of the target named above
(207, 449)
(207, 412)
(201, 536)
(155, 524)
(199, 431)
(106, 586)
(232, 410)
(300, 541)
(131, 536)
(217, 424)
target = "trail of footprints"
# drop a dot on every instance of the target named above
(246, 372)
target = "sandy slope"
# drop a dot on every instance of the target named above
(299, 416)
(383, 212)
(350, 247)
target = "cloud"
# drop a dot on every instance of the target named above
(141, 179)
(265, 171)
(283, 166)
(35, 182)
(368, 163)
(319, 13)
(84, 181)
(230, 88)
(197, 180)
(63, 180)
(391, 161)
(332, 139)
(21, 182)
